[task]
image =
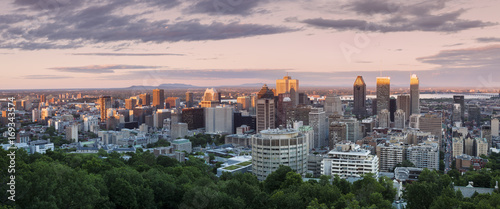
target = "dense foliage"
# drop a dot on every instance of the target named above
(63, 180)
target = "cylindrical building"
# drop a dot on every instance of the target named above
(274, 147)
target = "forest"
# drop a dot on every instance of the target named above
(65, 180)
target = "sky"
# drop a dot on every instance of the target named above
(47, 44)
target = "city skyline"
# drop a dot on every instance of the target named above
(55, 44)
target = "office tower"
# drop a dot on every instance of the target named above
(469, 146)
(474, 113)
(457, 146)
(374, 106)
(424, 156)
(494, 127)
(384, 120)
(399, 119)
(189, 99)
(392, 108)
(159, 116)
(353, 129)
(286, 84)
(359, 94)
(267, 143)
(178, 130)
(265, 92)
(211, 98)
(172, 102)
(319, 122)
(194, 117)
(333, 105)
(130, 104)
(43, 98)
(299, 113)
(290, 86)
(389, 156)
(265, 114)
(403, 103)
(350, 162)
(244, 102)
(72, 133)
(219, 120)
(284, 104)
(105, 104)
(459, 99)
(415, 95)
(456, 114)
(431, 123)
(482, 146)
(158, 98)
(383, 93)
(145, 99)
(486, 134)
(265, 109)
(338, 133)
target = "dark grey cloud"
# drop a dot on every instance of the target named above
(48, 77)
(128, 54)
(399, 17)
(224, 7)
(98, 69)
(488, 39)
(471, 58)
(95, 22)
(14, 18)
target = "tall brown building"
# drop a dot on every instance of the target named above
(403, 103)
(415, 95)
(42, 98)
(158, 98)
(359, 93)
(265, 109)
(189, 99)
(383, 93)
(130, 104)
(105, 104)
(145, 99)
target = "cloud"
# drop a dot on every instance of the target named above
(488, 39)
(469, 57)
(98, 69)
(47, 77)
(219, 7)
(128, 54)
(110, 22)
(397, 17)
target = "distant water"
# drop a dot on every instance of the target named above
(433, 96)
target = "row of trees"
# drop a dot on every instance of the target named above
(62, 180)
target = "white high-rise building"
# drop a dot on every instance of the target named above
(319, 122)
(494, 127)
(274, 147)
(384, 120)
(35, 115)
(389, 156)
(399, 119)
(424, 156)
(219, 120)
(353, 162)
(72, 133)
(333, 105)
(457, 146)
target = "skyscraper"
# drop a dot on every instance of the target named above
(158, 98)
(211, 98)
(319, 122)
(383, 93)
(415, 95)
(288, 85)
(105, 103)
(359, 93)
(42, 98)
(459, 99)
(130, 104)
(399, 119)
(384, 119)
(189, 99)
(265, 109)
(333, 105)
(403, 103)
(145, 99)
